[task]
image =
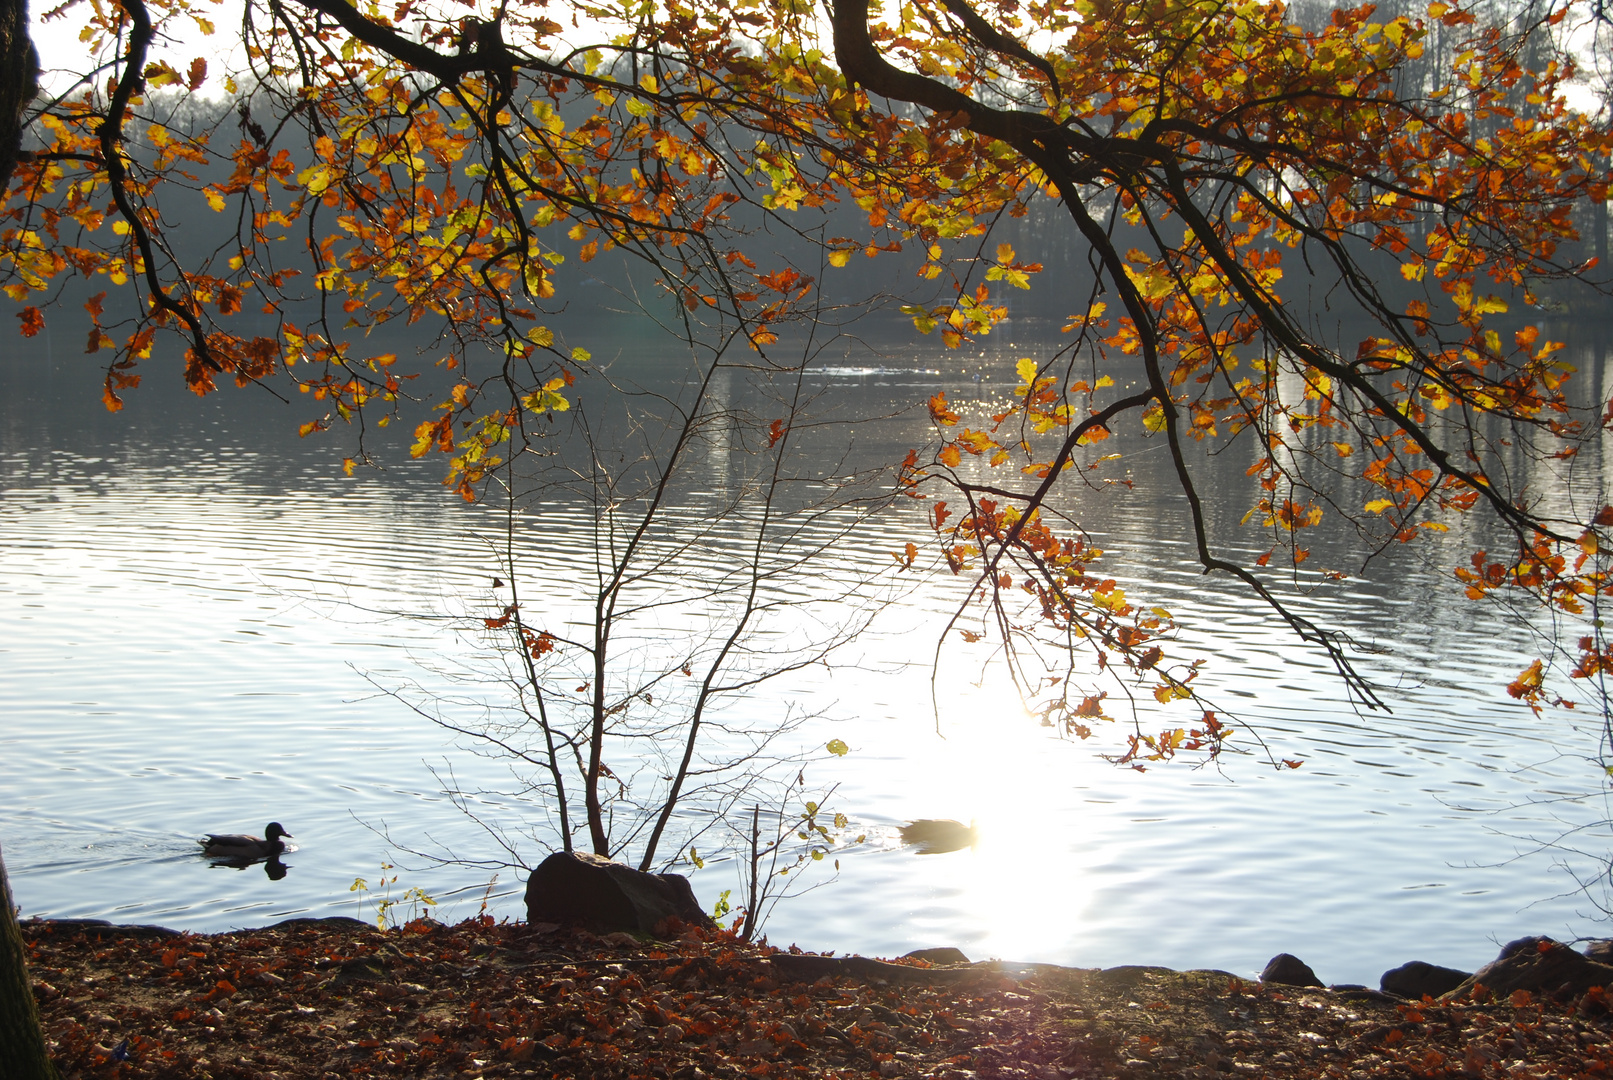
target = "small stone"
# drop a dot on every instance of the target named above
(1417, 978)
(1289, 970)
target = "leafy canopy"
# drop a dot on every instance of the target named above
(409, 163)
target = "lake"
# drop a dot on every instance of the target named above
(202, 614)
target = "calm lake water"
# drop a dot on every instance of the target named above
(198, 608)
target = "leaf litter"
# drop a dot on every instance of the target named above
(339, 998)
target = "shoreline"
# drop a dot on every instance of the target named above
(337, 997)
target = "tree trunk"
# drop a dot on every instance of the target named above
(22, 1042)
(19, 82)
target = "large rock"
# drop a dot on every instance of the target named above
(604, 896)
(1290, 971)
(1541, 966)
(1419, 978)
(945, 954)
(1600, 950)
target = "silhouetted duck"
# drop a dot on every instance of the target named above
(238, 846)
(936, 835)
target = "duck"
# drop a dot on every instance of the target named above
(937, 835)
(238, 846)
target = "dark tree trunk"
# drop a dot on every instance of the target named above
(22, 1042)
(19, 82)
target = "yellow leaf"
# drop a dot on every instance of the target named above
(581, 355)
(1113, 600)
(1005, 254)
(161, 73)
(1378, 506)
(1027, 370)
(840, 258)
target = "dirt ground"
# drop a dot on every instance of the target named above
(342, 999)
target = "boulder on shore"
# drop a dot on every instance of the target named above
(604, 896)
(1290, 971)
(1419, 978)
(945, 954)
(1541, 966)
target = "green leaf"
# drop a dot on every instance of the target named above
(837, 748)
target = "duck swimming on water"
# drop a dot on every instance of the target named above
(239, 846)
